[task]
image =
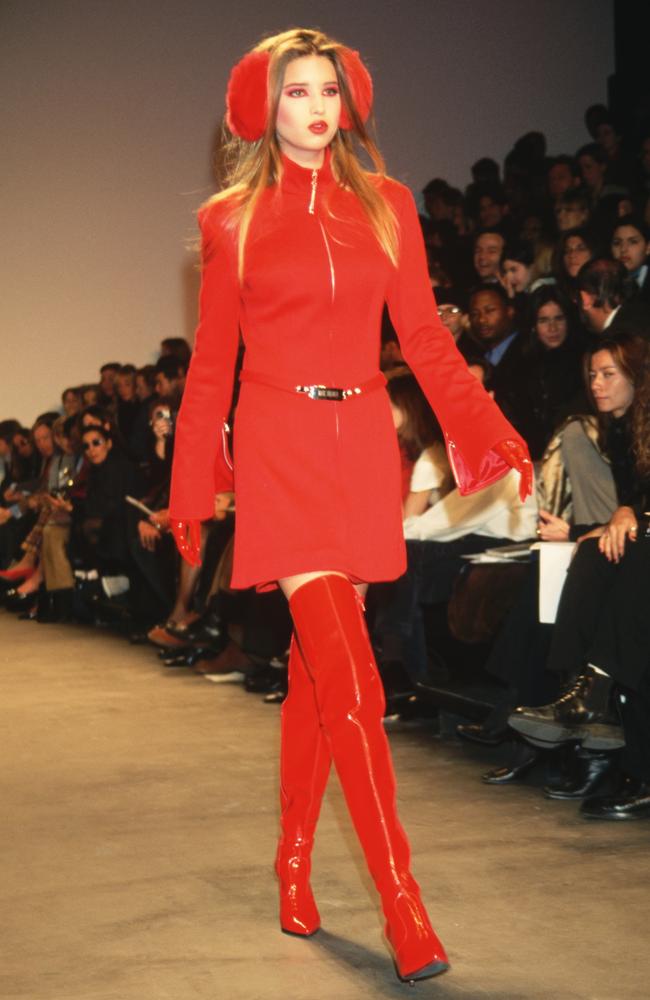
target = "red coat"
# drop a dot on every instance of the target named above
(317, 482)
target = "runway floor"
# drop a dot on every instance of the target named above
(139, 825)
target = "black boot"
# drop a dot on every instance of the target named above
(630, 801)
(589, 772)
(45, 605)
(584, 714)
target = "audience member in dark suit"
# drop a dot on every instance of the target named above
(609, 302)
(493, 332)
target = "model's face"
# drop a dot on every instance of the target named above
(490, 318)
(309, 109)
(576, 253)
(551, 325)
(487, 254)
(570, 216)
(516, 275)
(630, 247)
(611, 389)
(95, 447)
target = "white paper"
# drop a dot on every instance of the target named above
(554, 560)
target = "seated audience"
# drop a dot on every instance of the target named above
(631, 246)
(601, 637)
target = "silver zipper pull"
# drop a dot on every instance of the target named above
(314, 182)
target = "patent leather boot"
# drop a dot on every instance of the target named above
(583, 713)
(304, 769)
(330, 625)
(591, 769)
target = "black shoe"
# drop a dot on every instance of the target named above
(266, 680)
(583, 714)
(54, 606)
(17, 601)
(590, 771)
(478, 732)
(524, 758)
(631, 802)
(184, 658)
(209, 631)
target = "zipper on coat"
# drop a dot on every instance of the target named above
(314, 182)
(329, 258)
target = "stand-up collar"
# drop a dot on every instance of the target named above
(299, 179)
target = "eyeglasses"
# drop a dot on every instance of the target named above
(95, 443)
(446, 310)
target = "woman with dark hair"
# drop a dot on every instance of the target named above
(424, 462)
(573, 249)
(552, 376)
(300, 251)
(602, 632)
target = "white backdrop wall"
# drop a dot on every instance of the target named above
(108, 120)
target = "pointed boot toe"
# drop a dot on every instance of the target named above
(419, 953)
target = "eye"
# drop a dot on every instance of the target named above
(331, 91)
(296, 92)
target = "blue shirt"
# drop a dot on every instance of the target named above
(495, 354)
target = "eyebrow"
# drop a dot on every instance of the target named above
(328, 83)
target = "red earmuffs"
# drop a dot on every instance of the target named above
(247, 103)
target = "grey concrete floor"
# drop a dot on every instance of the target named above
(138, 833)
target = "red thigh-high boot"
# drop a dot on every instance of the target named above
(330, 625)
(304, 769)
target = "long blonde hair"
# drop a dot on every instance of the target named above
(248, 168)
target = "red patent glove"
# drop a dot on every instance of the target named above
(187, 535)
(516, 455)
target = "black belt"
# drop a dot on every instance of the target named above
(315, 391)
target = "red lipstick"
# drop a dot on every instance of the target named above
(318, 127)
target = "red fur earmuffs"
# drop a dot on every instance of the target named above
(247, 105)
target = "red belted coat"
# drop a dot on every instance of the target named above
(317, 482)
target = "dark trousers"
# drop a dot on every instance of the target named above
(604, 619)
(604, 615)
(431, 570)
(520, 650)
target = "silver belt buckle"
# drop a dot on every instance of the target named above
(328, 392)
(323, 392)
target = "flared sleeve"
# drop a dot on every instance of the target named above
(471, 421)
(202, 465)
